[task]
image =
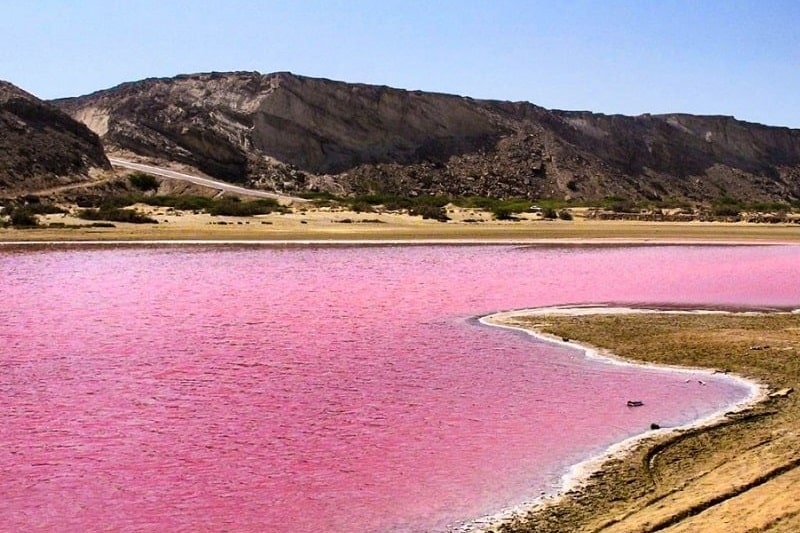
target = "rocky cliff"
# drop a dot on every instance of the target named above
(286, 132)
(41, 146)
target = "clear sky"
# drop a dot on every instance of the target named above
(727, 57)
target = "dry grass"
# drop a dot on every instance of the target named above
(739, 475)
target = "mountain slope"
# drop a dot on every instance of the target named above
(286, 132)
(41, 146)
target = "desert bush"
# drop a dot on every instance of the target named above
(318, 195)
(234, 207)
(501, 209)
(476, 202)
(22, 217)
(321, 198)
(182, 203)
(502, 213)
(396, 203)
(725, 211)
(726, 206)
(143, 181)
(549, 213)
(564, 215)
(431, 200)
(430, 212)
(116, 215)
(511, 205)
(360, 206)
(768, 207)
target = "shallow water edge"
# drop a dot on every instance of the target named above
(578, 474)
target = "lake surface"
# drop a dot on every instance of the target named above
(342, 389)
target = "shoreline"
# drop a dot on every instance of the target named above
(325, 225)
(579, 474)
(566, 241)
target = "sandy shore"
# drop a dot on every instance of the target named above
(729, 472)
(578, 475)
(322, 224)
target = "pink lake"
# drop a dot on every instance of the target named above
(341, 389)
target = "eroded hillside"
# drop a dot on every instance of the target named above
(291, 133)
(41, 146)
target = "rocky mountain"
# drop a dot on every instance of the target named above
(41, 146)
(286, 132)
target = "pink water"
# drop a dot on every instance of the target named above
(227, 388)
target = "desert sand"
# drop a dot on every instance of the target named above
(734, 474)
(324, 224)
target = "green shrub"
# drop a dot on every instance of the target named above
(143, 181)
(182, 203)
(22, 217)
(549, 213)
(430, 212)
(726, 210)
(361, 206)
(322, 198)
(726, 206)
(116, 215)
(396, 203)
(768, 207)
(226, 206)
(727, 200)
(319, 195)
(476, 202)
(117, 202)
(501, 212)
(432, 200)
(623, 206)
(501, 209)
(234, 207)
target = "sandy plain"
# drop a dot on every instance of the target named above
(324, 224)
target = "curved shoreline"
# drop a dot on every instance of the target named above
(578, 474)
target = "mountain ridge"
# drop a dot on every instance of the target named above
(290, 133)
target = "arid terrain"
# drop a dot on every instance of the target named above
(481, 168)
(41, 146)
(309, 221)
(739, 474)
(291, 133)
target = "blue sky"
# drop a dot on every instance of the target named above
(706, 56)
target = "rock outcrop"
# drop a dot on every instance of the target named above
(288, 133)
(41, 146)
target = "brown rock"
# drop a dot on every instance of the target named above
(41, 146)
(261, 129)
